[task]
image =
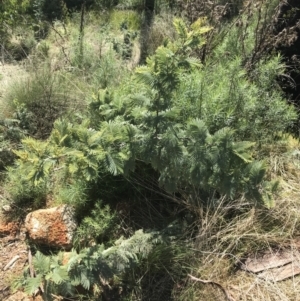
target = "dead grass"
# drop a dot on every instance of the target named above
(161, 30)
(9, 73)
(224, 239)
(223, 243)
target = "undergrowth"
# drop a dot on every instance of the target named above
(178, 169)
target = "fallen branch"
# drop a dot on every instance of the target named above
(228, 296)
(11, 262)
(31, 269)
(59, 298)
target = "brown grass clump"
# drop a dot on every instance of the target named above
(8, 74)
(229, 233)
(161, 29)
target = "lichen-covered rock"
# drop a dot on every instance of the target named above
(54, 227)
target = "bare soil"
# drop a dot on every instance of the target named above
(13, 259)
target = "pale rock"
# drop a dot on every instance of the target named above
(6, 208)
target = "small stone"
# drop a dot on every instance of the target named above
(6, 208)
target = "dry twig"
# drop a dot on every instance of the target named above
(228, 296)
(31, 269)
(11, 262)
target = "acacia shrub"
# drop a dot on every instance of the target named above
(184, 150)
(222, 95)
(188, 152)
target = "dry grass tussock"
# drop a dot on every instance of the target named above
(226, 239)
(8, 73)
(98, 37)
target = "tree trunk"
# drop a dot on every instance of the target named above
(149, 8)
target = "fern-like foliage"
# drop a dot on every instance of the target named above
(196, 141)
(185, 151)
(81, 151)
(94, 266)
(51, 277)
(95, 227)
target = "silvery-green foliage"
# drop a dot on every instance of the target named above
(94, 266)
(195, 125)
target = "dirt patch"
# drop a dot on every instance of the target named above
(13, 259)
(13, 253)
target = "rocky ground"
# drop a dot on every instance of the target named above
(13, 257)
(13, 249)
(53, 227)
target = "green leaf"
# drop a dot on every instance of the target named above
(47, 165)
(73, 168)
(58, 275)
(241, 149)
(41, 263)
(180, 28)
(33, 284)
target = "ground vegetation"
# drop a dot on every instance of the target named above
(173, 135)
